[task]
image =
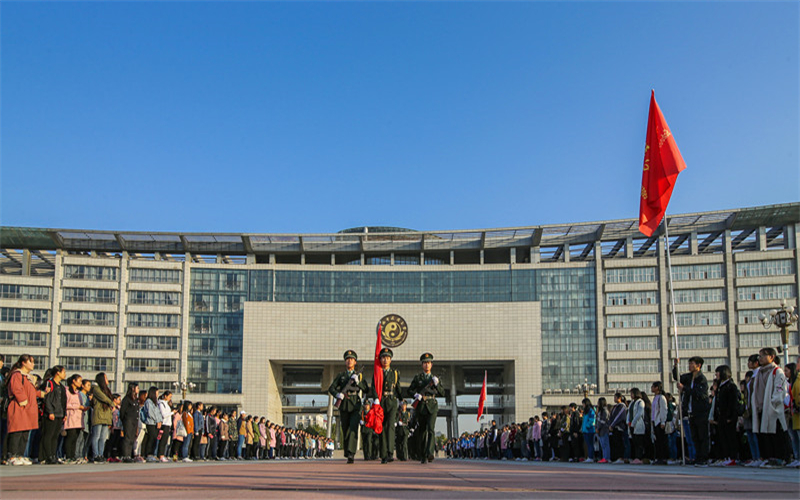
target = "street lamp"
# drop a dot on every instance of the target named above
(783, 319)
(585, 387)
(184, 386)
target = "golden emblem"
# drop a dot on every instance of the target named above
(394, 330)
(644, 193)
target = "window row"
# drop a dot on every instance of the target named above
(142, 275)
(634, 343)
(703, 318)
(207, 302)
(212, 279)
(87, 341)
(765, 292)
(23, 339)
(207, 324)
(631, 320)
(94, 318)
(18, 315)
(97, 273)
(155, 343)
(87, 364)
(765, 339)
(764, 268)
(146, 320)
(701, 342)
(697, 272)
(24, 292)
(154, 298)
(95, 295)
(631, 275)
(634, 366)
(699, 295)
(632, 298)
(151, 365)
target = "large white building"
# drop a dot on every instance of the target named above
(260, 321)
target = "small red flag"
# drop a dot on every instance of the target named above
(482, 399)
(662, 164)
(375, 414)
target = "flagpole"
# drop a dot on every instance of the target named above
(673, 324)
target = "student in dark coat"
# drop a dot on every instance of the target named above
(129, 420)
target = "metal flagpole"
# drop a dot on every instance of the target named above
(674, 336)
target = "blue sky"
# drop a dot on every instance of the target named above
(315, 117)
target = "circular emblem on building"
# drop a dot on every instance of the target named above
(394, 330)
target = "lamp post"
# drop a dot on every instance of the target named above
(184, 386)
(585, 387)
(783, 319)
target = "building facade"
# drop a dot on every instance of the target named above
(260, 321)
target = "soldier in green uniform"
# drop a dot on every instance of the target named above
(391, 394)
(403, 416)
(345, 388)
(425, 388)
(368, 436)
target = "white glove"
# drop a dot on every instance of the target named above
(417, 396)
(361, 422)
(376, 402)
(435, 380)
(354, 377)
(340, 396)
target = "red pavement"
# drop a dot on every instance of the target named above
(441, 479)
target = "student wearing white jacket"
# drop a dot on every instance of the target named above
(165, 405)
(658, 417)
(769, 391)
(636, 425)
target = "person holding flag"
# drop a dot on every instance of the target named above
(386, 393)
(425, 388)
(345, 388)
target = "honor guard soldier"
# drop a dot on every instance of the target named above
(426, 388)
(369, 440)
(403, 416)
(345, 388)
(391, 394)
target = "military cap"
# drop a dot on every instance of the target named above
(386, 352)
(350, 354)
(426, 357)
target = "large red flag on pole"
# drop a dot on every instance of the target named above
(375, 416)
(662, 164)
(482, 400)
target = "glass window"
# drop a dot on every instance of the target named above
(143, 275)
(143, 320)
(87, 341)
(702, 341)
(18, 315)
(87, 364)
(766, 292)
(154, 298)
(705, 318)
(699, 295)
(23, 339)
(151, 365)
(634, 343)
(24, 292)
(95, 318)
(96, 273)
(631, 275)
(697, 272)
(634, 366)
(631, 298)
(764, 268)
(100, 296)
(150, 342)
(631, 320)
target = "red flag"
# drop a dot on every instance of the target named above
(482, 399)
(375, 414)
(662, 164)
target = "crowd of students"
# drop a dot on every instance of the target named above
(755, 423)
(59, 420)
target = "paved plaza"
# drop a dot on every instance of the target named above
(441, 479)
